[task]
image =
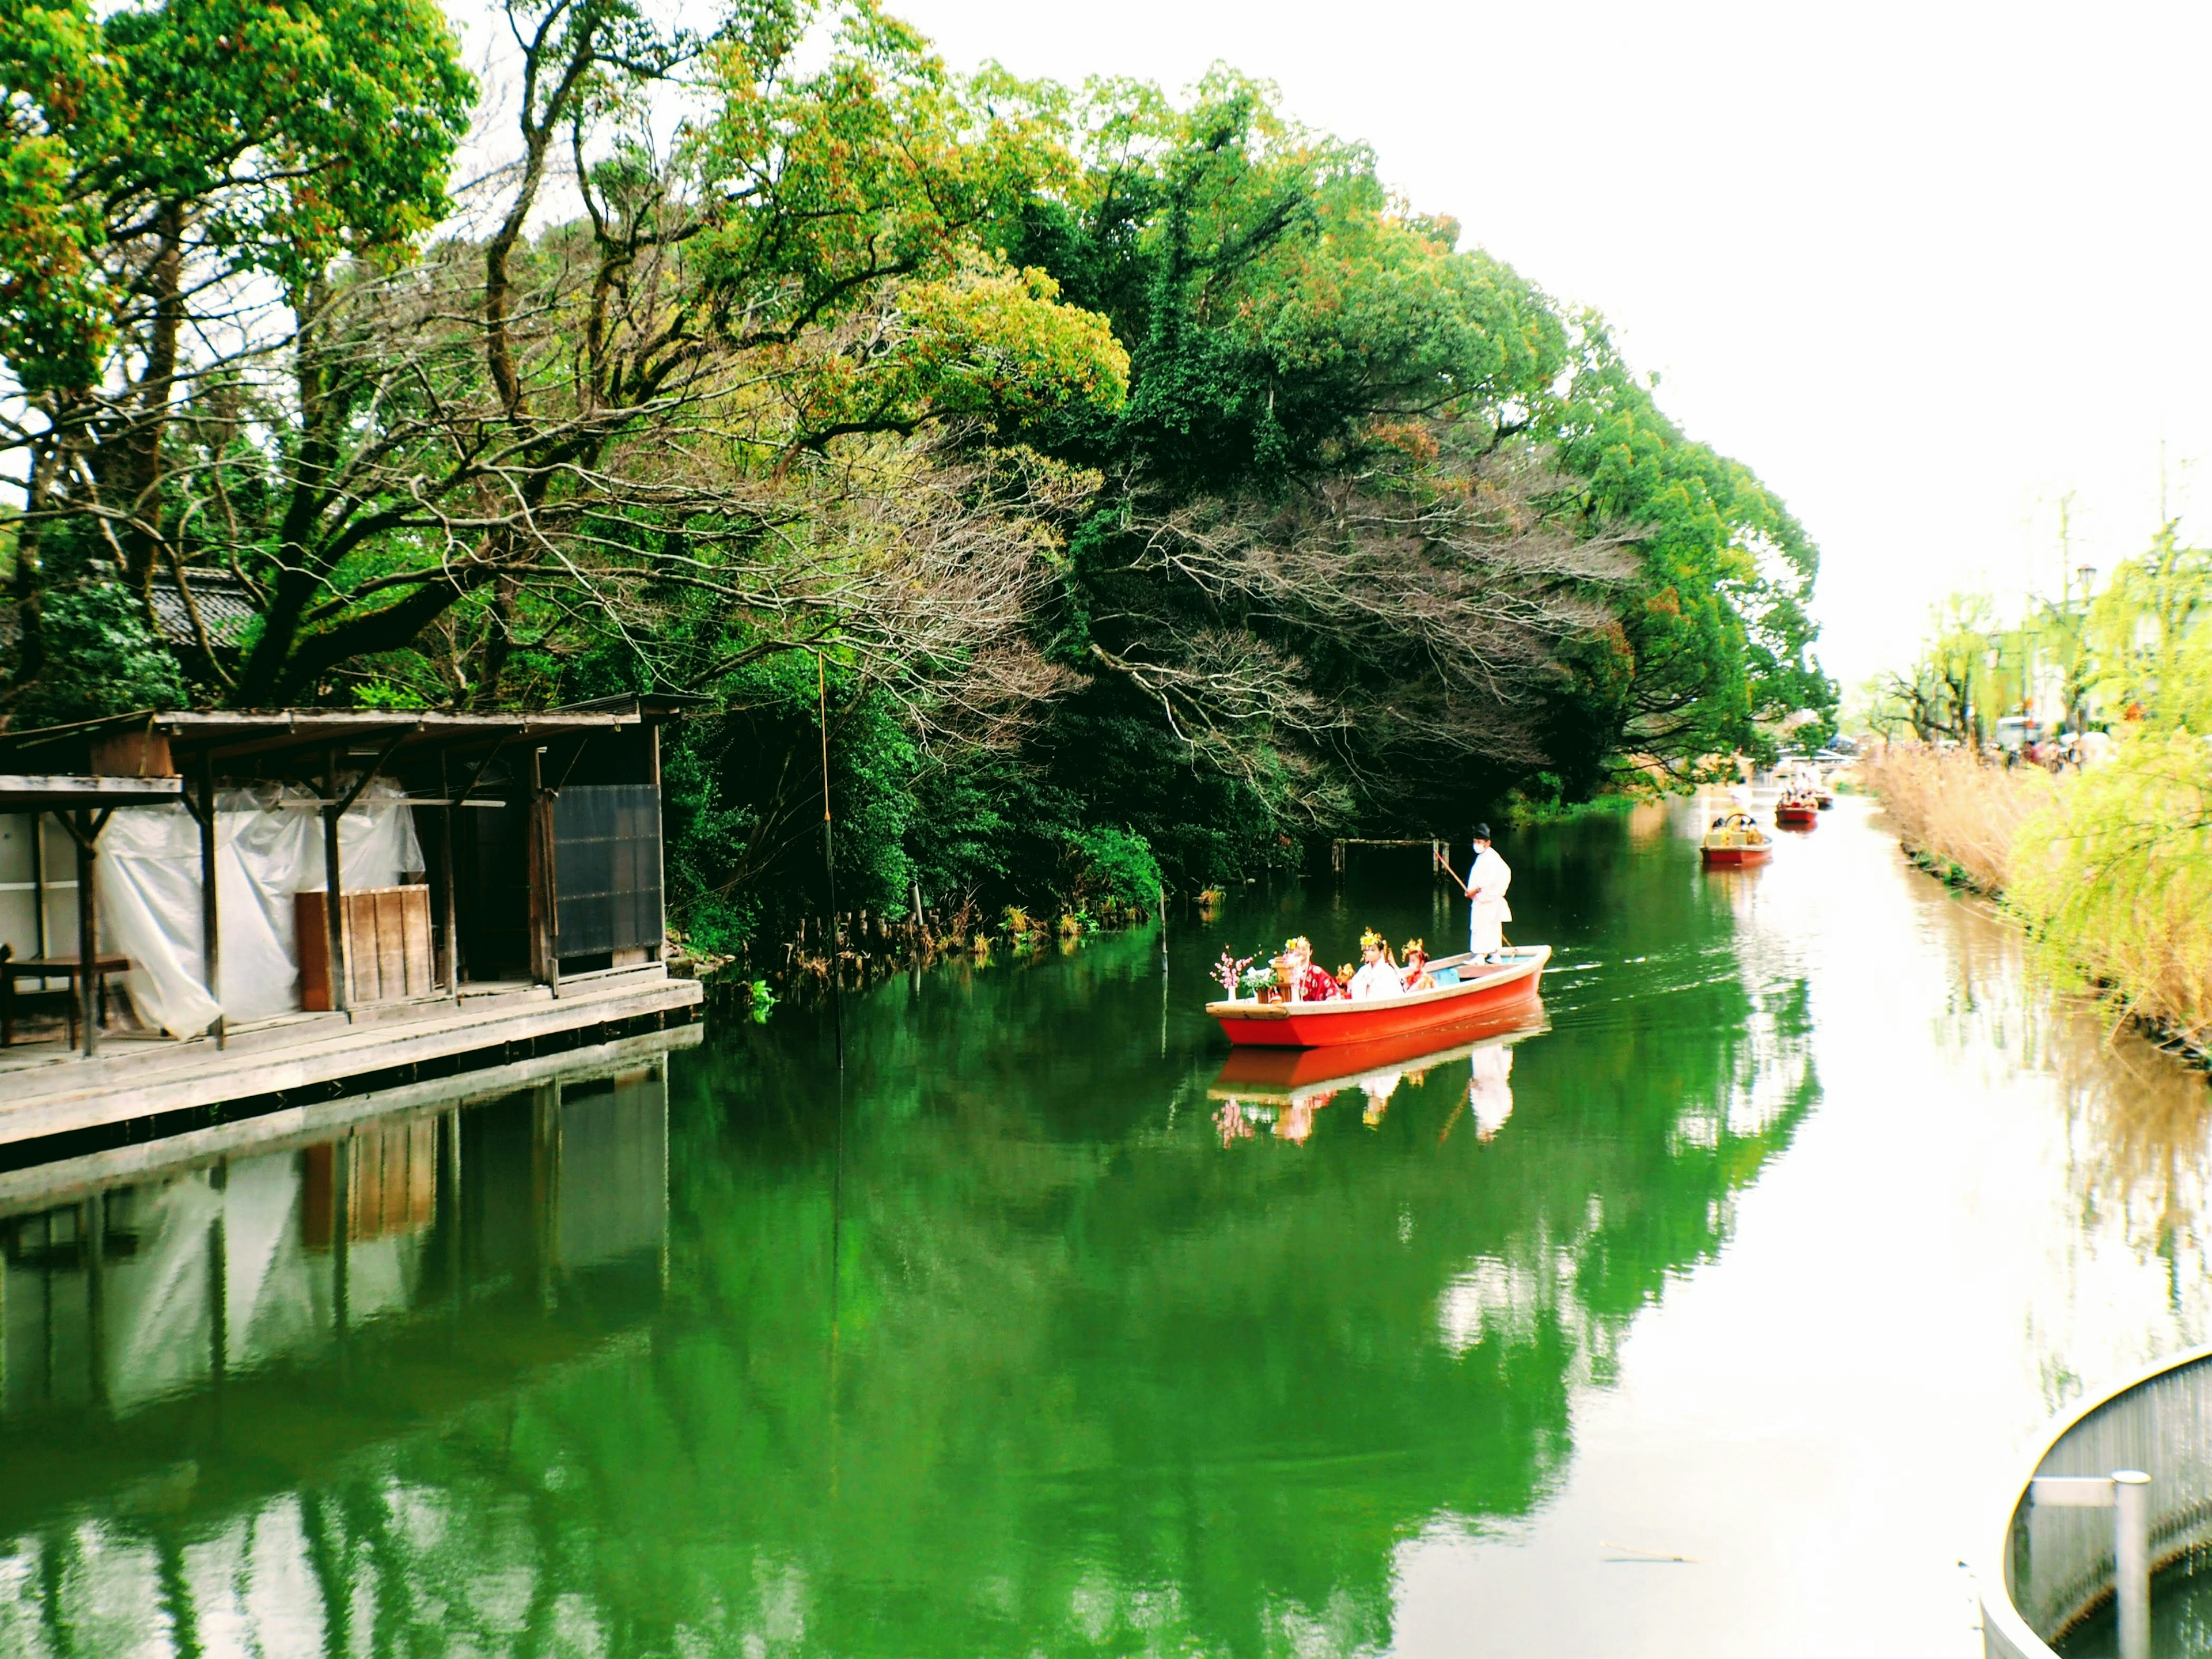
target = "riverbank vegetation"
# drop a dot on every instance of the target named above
(2111, 867)
(1135, 488)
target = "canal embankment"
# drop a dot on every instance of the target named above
(2110, 869)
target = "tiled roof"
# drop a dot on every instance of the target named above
(226, 609)
(225, 606)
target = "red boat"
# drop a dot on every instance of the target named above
(1483, 991)
(1797, 814)
(1735, 840)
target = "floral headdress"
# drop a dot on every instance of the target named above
(1415, 948)
(1369, 939)
(1297, 942)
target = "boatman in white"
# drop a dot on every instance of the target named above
(1488, 876)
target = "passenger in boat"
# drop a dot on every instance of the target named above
(1487, 879)
(1375, 977)
(1416, 976)
(1303, 981)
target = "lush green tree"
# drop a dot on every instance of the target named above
(177, 171)
(1710, 646)
(1137, 489)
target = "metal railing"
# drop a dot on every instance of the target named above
(2124, 1486)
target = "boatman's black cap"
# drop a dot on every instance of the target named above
(1482, 832)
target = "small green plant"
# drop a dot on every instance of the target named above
(763, 1002)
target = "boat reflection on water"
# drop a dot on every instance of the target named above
(1279, 1091)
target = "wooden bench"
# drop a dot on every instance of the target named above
(13, 967)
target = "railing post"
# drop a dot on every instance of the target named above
(2132, 1561)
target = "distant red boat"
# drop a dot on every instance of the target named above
(1797, 814)
(1484, 990)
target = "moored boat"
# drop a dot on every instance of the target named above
(1735, 840)
(1481, 990)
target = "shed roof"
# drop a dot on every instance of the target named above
(220, 737)
(37, 792)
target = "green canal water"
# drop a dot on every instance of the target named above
(1704, 1316)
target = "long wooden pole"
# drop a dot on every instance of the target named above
(210, 915)
(333, 893)
(829, 864)
(88, 933)
(448, 922)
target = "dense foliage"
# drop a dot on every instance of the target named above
(2135, 650)
(2111, 867)
(1137, 489)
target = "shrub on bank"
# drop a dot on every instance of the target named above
(2116, 875)
(1951, 808)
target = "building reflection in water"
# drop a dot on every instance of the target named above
(183, 1349)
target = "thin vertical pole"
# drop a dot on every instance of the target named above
(659, 852)
(39, 876)
(546, 800)
(2132, 1561)
(210, 919)
(87, 941)
(829, 864)
(333, 898)
(447, 921)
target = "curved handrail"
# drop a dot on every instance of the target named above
(2001, 1620)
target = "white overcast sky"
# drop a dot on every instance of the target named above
(1926, 268)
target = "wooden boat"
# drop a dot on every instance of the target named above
(1735, 841)
(1484, 988)
(1796, 812)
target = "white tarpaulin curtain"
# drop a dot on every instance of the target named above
(269, 846)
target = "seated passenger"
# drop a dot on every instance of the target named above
(1417, 976)
(1303, 981)
(1376, 976)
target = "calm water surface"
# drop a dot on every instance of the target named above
(1701, 1319)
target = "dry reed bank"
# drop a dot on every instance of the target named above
(2111, 869)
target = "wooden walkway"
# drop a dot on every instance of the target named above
(165, 1087)
(65, 1181)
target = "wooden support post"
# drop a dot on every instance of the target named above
(39, 876)
(659, 853)
(210, 915)
(450, 963)
(545, 964)
(87, 933)
(333, 896)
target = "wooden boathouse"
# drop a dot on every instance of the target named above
(200, 910)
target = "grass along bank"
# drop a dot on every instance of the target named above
(2110, 869)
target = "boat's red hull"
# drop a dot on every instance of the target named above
(1731, 858)
(1797, 818)
(1326, 1024)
